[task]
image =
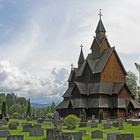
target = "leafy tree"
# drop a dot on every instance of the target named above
(28, 112)
(71, 121)
(131, 81)
(3, 110)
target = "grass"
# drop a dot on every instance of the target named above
(127, 129)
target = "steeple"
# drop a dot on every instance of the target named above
(81, 58)
(100, 30)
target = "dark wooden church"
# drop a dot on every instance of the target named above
(99, 83)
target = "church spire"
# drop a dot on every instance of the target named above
(100, 30)
(81, 58)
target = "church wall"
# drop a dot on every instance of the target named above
(112, 71)
(121, 113)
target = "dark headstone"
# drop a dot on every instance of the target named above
(125, 137)
(97, 134)
(26, 127)
(83, 124)
(112, 136)
(12, 126)
(119, 136)
(66, 136)
(77, 135)
(94, 125)
(15, 137)
(4, 133)
(36, 131)
(107, 125)
(52, 133)
(84, 132)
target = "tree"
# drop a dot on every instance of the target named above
(100, 115)
(28, 112)
(131, 81)
(3, 110)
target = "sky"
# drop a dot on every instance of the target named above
(39, 39)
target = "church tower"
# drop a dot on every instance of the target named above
(98, 82)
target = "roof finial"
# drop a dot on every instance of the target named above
(100, 13)
(72, 66)
(81, 46)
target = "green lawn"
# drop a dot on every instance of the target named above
(127, 129)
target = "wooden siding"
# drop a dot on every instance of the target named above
(104, 45)
(124, 93)
(112, 71)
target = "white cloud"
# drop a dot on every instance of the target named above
(34, 85)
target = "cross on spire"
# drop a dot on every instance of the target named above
(100, 13)
(72, 66)
(81, 46)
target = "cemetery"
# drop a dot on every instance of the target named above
(97, 104)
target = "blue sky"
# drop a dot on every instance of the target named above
(39, 39)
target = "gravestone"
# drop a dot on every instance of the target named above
(94, 125)
(52, 133)
(66, 136)
(37, 125)
(4, 133)
(40, 120)
(26, 127)
(36, 131)
(125, 137)
(120, 125)
(112, 136)
(82, 124)
(57, 120)
(119, 136)
(93, 118)
(84, 132)
(96, 134)
(77, 135)
(12, 126)
(15, 137)
(107, 125)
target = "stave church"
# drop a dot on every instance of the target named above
(99, 82)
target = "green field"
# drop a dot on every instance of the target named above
(127, 129)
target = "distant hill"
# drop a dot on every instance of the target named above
(37, 105)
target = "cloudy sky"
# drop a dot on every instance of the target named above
(39, 39)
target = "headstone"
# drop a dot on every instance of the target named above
(83, 124)
(94, 125)
(37, 126)
(12, 126)
(96, 134)
(66, 136)
(107, 125)
(93, 118)
(119, 136)
(52, 133)
(57, 120)
(4, 133)
(36, 131)
(26, 127)
(15, 137)
(77, 135)
(112, 136)
(84, 132)
(40, 120)
(120, 125)
(125, 137)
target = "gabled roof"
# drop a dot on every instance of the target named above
(72, 74)
(135, 104)
(69, 91)
(100, 27)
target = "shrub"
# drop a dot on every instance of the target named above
(71, 121)
(15, 115)
(100, 115)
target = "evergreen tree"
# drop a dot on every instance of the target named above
(28, 112)
(100, 115)
(3, 109)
